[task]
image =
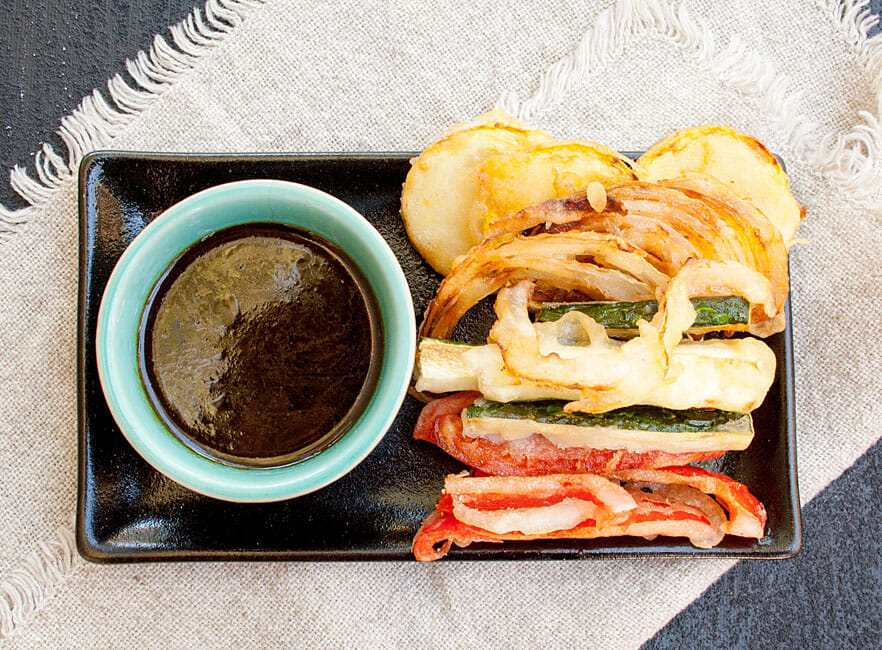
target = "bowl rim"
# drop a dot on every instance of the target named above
(117, 360)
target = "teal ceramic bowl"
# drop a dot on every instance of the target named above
(153, 251)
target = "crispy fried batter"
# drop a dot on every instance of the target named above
(440, 188)
(512, 181)
(610, 374)
(673, 222)
(600, 265)
(738, 161)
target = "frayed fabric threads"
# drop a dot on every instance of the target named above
(96, 121)
(26, 589)
(93, 125)
(735, 65)
(851, 161)
(855, 20)
(847, 159)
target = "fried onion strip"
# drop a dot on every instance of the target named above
(599, 265)
(611, 374)
(672, 222)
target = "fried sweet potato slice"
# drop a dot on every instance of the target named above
(511, 182)
(440, 188)
(739, 161)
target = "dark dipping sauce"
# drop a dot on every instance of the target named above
(261, 345)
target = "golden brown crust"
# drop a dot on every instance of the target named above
(737, 160)
(440, 187)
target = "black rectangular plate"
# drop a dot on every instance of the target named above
(128, 512)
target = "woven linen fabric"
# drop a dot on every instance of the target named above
(292, 75)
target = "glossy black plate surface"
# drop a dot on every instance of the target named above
(129, 512)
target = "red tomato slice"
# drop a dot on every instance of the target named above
(440, 423)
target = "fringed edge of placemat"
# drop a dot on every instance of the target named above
(92, 125)
(850, 161)
(97, 120)
(26, 589)
(847, 159)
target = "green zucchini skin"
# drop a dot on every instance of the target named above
(643, 418)
(709, 312)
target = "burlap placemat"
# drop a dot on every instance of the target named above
(293, 75)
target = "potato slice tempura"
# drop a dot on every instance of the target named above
(737, 160)
(440, 188)
(511, 182)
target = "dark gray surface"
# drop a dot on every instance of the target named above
(829, 596)
(52, 52)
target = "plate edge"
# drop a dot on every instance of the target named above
(97, 553)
